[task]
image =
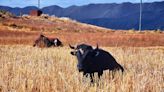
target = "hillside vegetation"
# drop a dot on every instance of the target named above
(25, 29)
(47, 23)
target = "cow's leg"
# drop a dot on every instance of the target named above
(85, 74)
(90, 74)
(113, 74)
(91, 77)
(100, 74)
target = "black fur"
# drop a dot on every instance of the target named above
(44, 41)
(94, 60)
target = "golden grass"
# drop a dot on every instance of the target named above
(28, 69)
(104, 39)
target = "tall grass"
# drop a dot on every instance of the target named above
(29, 69)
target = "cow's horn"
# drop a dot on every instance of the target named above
(97, 47)
(71, 47)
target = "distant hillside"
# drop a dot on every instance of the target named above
(45, 23)
(25, 29)
(114, 16)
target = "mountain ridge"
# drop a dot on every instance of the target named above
(113, 16)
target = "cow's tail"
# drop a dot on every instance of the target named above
(120, 67)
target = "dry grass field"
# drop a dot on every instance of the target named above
(8, 37)
(30, 69)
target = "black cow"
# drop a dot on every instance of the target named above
(94, 60)
(43, 41)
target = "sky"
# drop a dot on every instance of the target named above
(62, 3)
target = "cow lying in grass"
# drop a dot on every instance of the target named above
(43, 41)
(94, 60)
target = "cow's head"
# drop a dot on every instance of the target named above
(81, 51)
(82, 48)
(39, 39)
(57, 42)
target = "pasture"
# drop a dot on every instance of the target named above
(29, 69)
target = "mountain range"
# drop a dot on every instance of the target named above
(114, 16)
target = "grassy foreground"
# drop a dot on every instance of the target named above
(29, 69)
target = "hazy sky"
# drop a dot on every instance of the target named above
(62, 3)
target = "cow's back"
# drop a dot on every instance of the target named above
(99, 60)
